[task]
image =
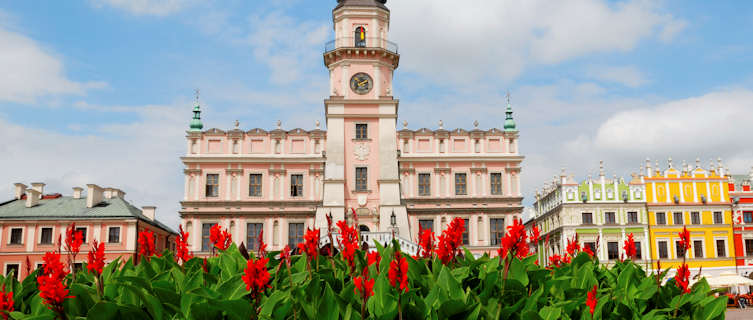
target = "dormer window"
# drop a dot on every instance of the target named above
(360, 37)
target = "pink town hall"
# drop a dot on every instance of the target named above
(395, 179)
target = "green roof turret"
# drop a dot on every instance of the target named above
(509, 122)
(196, 124)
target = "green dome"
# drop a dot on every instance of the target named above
(196, 124)
(509, 122)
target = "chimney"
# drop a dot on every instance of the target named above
(20, 190)
(77, 192)
(32, 197)
(94, 195)
(117, 193)
(108, 193)
(149, 212)
(39, 187)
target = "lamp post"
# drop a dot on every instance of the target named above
(393, 223)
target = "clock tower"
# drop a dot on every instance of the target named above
(361, 170)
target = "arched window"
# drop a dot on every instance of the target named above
(360, 37)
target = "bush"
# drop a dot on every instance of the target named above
(324, 288)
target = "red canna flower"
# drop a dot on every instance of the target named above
(682, 278)
(73, 239)
(364, 286)
(535, 234)
(567, 259)
(96, 258)
(515, 241)
(181, 246)
(220, 237)
(285, 255)
(591, 300)
(684, 240)
(262, 250)
(573, 246)
(398, 274)
(630, 247)
(555, 260)
(588, 250)
(6, 303)
(146, 244)
(256, 277)
(450, 240)
(374, 257)
(426, 242)
(205, 266)
(310, 243)
(52, 290)
(348, 242)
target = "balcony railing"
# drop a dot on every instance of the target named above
(383, 238)
(351, 42)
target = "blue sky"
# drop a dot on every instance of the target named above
(100, 91)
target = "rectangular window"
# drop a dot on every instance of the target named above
(679, 250)
(362, 175)
(721, 248)
(46, 236)
(362, 131)
(633, 217)
(296, 185)
(206, 244)
(749, 247)
(460, 184)
(718, 218)
(638, 252)
(661, 218)
(16, 235)
(663, 252)
(113, 235)
(695, 217)
(697, 249)
(252, 235)
(426, 224)
(11, 268)
(748, 217)
(496, 183)
(613, 252)
(677, 218)
(295, 234)
(609, 218)
(465, 232)
(254, 185)
(213, 185)
(587, 218)
(83, 232)
(424, 184)
(497, 230)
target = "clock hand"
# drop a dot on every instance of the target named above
(362, 83)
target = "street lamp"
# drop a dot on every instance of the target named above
(393, 223)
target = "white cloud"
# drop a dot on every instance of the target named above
(626, 75)
(495, 39)
(145, 7)
(30, 72)
(147, 149)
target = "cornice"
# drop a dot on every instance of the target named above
(265, 158)
(501, 199)
(246, 203)
(467, 157)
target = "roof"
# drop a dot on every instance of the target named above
(362, 3)
(63, 208)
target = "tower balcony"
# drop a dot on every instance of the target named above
(368, 43)
(344, 48)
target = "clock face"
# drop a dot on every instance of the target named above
(361, 83)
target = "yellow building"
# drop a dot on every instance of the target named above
(698, 199)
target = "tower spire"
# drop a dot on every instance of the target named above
(196, 124)
(509, 122)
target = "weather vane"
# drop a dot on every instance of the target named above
(196, 91)
(508, 96)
